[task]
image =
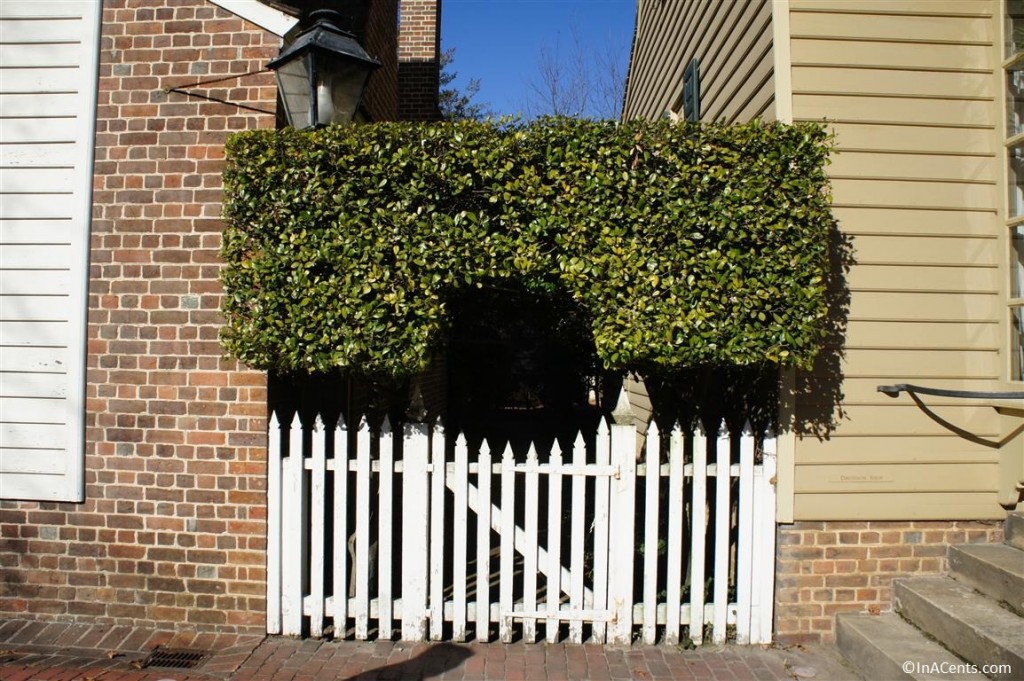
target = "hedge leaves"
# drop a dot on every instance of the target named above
(682, 244)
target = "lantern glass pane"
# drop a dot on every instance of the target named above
(293, 85)
(339, 88)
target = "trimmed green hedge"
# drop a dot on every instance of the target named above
(682, 244)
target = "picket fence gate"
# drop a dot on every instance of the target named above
(560, 541)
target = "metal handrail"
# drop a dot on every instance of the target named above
(895, 390)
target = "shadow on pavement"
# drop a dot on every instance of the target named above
(432, 662)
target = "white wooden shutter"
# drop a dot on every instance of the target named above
(49, 54)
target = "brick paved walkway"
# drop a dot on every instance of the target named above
(83, 653)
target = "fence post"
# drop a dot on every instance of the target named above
(341, 498)
(723, 472)
(622, 512)
(294, 500)
(698, 533)
(317, 499)
(274, 526)
(676, 513)
(747, 534)
(414, 525)
(766, 542)
(385, 531)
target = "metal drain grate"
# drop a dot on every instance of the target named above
(175, 658)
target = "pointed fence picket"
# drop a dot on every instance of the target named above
(385, 524)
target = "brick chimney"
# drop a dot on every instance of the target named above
(419, 59)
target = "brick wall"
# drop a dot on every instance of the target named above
(829, 567)
(173, 529)
(419, 50)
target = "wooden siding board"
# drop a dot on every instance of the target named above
(923, 278)
(32, 461)
(919, 138)
(889, 55)
(879, 165)
(867, 191)
(900, 306)
(55, 231)
(854, 25)
(906, 110)
(906, 449)
(888, 81)
(32, 333)
(845, 478)
(904, 418)
(921, 335)
(882, 249)
(925, 8)
(874, 505)
(864, 391)
(909, 365)
(908, 221)
(33, 385)
(49, 282)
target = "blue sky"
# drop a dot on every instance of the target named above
(498, 41)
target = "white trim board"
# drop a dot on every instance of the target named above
(264, 16)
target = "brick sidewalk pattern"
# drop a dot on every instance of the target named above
(61, 652)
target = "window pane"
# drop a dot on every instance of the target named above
(1015, 100)
(1017, 262)
(1014, 27)
(1017, 343)
(1016, 181)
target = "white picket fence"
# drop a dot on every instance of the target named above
(368, 529)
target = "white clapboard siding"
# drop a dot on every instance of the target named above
(566, 561)
(22, 384)
(52, 282)
(48, 75)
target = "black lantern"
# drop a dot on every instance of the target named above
(321, 76)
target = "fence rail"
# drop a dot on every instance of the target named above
(369, 528)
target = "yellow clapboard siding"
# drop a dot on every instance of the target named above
(925, 167)
(974, 8)
(906, 366)
(924, 449)
(944, 195)
(925, 306)
(739, 71)
(926, 56)
(878, 249)
(881, 81)
(895, 478)
(853, 25)
(874, 220)
(904, 110)
(909, 138)
(899, 506)
(864, 391)
(925, 278)
(923, 335)
(905, 418)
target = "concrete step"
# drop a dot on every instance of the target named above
(884, 647)
(964, 621)
(1013, 530)
(996, 570)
